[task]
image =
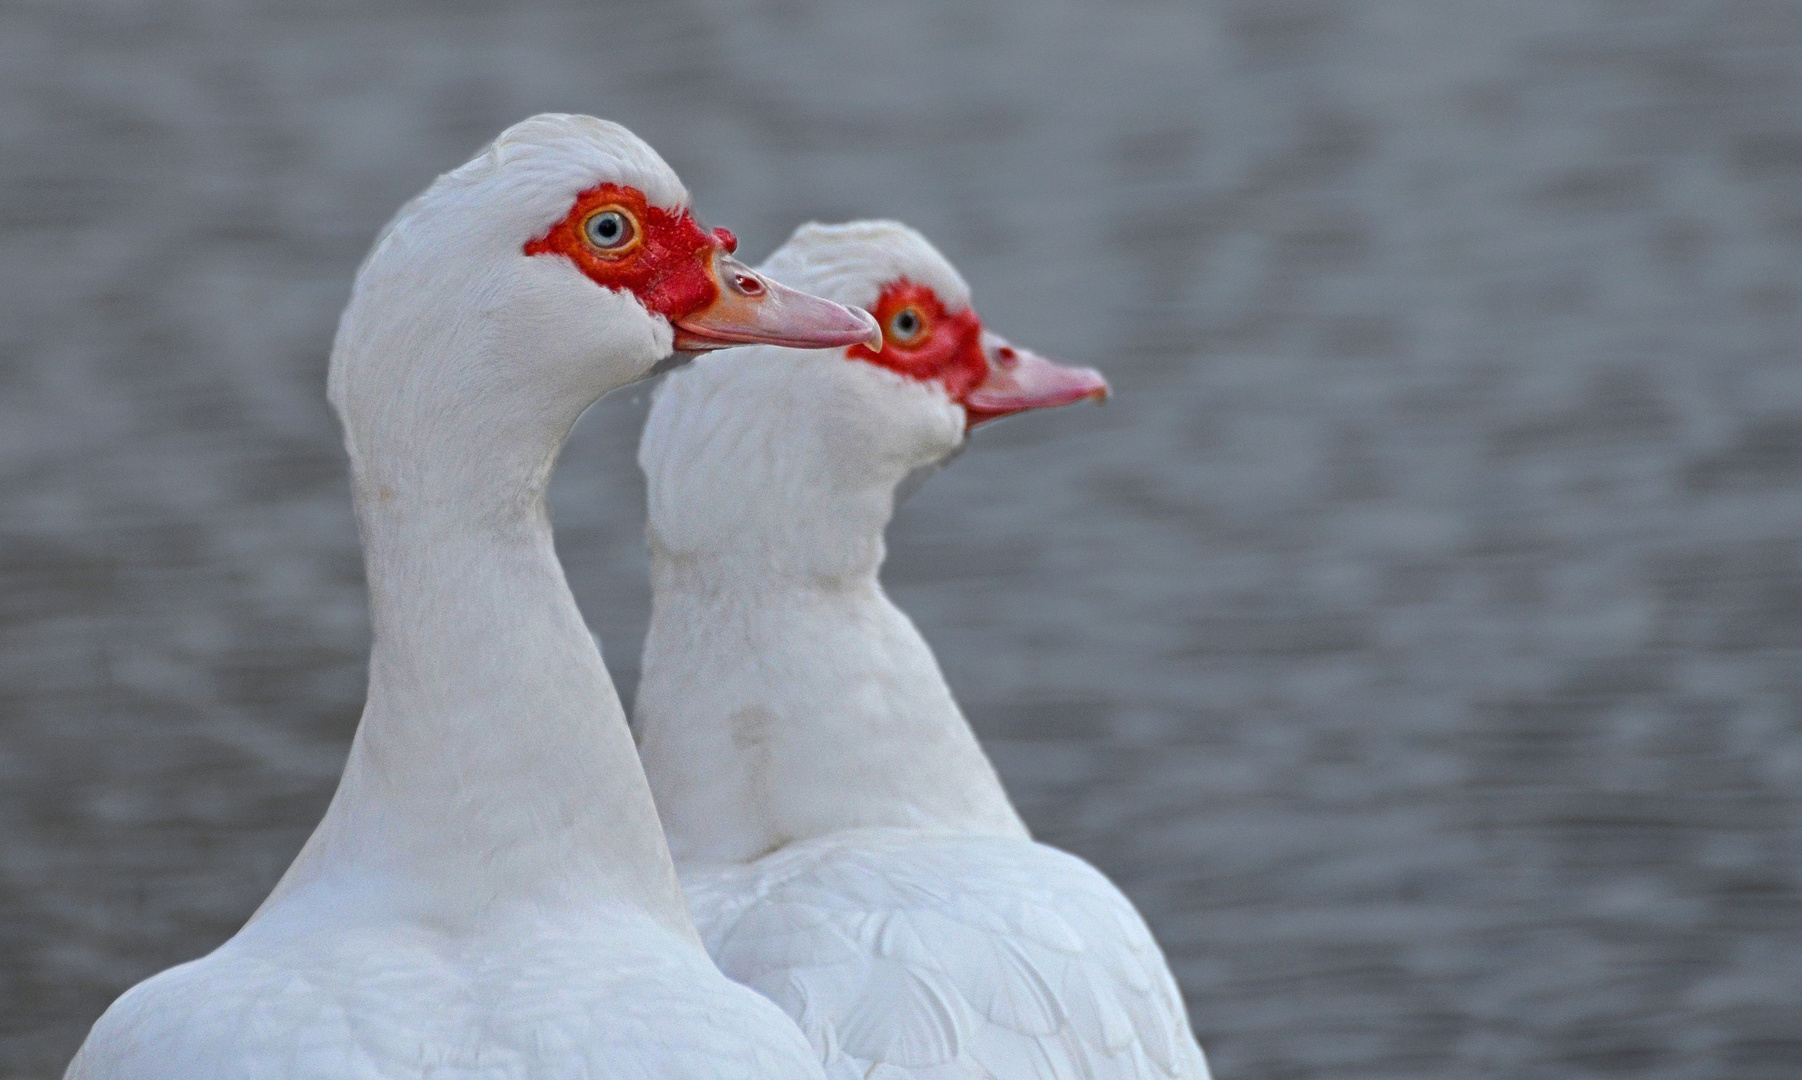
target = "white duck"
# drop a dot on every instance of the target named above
(846, 847)
(489, 894)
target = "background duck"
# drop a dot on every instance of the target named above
(846, 846)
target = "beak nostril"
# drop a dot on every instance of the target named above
(747, 284)
(1007, 356)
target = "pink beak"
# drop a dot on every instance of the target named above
(1020, 380)
(752, 309)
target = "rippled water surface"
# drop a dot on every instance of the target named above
(1416, 636)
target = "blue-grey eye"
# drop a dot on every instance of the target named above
(609, 230)
(905, 326)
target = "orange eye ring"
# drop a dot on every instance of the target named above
(611, 231)
(906, 327)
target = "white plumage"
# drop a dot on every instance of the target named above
(846, 847)
(924, 954)
(602, 991)
(489, 894)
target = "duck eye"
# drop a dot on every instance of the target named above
(609, 230)
(905, 326)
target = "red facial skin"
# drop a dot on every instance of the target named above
(979, 370)
(947, 348)
(668, 264)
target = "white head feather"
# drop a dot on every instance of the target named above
(458, 344)
(850, 263)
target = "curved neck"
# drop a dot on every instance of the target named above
(783, 696)
(791, 517)
(774, 708)
(493, 766)
(784, 464)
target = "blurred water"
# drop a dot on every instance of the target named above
(1415, 637)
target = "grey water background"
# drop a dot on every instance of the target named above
(1415, 637)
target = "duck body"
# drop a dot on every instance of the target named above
(895, 906)
(489, 894)
(845, 845)
(597, 992)
(914, 952)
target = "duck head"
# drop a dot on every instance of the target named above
(561, 262)
(802, 453)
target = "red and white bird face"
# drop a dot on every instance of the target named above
(686, 273)
(980, 370)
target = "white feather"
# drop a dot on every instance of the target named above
(917, 950)
(489, 894)
(846, 846)
(851, 263)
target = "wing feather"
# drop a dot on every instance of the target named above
(908, 955)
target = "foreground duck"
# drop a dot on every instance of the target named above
(846, 846)
(489, 894)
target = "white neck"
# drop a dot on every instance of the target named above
(493, 766)
(783, 695)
